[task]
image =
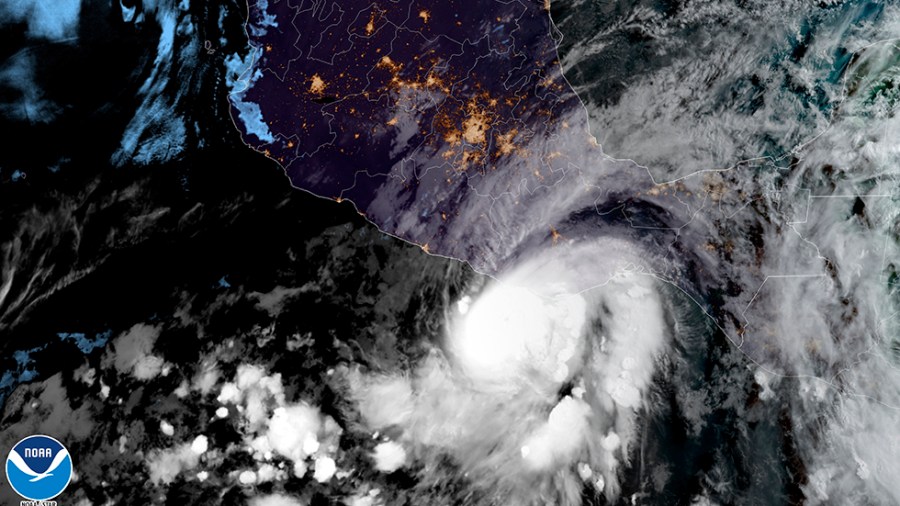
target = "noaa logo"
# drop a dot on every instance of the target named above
(39, 468)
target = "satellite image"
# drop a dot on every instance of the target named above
(446, 252)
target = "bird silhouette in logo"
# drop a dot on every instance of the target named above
(19, 462)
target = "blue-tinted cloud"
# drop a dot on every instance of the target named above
(157, 132)
(260, 24)
(54, 20)
(84, 343)
(24, 372)
(239, 78)
(251, 116)
(28, 101)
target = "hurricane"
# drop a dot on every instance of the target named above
(287, 253)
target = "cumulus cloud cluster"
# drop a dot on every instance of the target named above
(274, 428)
(132, 353)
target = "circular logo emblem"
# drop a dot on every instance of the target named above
(39, 468)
